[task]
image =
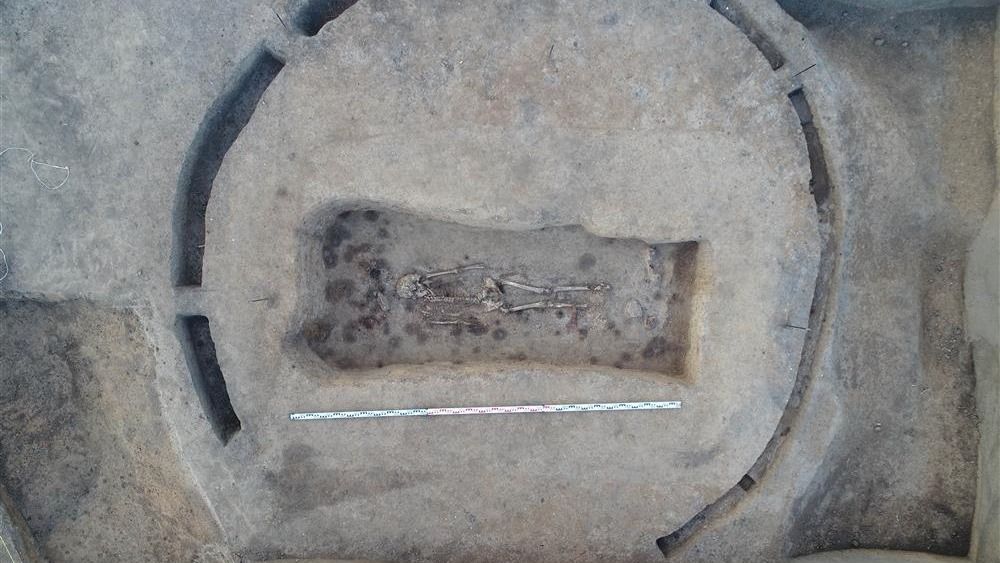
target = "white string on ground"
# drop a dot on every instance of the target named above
(34, 166)
(7, 549)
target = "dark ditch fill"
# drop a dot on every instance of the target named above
(206, 374)
(311, 15)
(735, 15)
(219, 130)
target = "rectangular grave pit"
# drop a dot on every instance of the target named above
(383, 291)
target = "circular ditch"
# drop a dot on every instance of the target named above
(397, 225)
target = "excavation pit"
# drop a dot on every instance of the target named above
(388, 288)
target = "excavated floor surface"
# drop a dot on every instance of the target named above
(758, 208)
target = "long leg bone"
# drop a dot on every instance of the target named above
(452, 299)
(593, 287)
(525, 287)
(463, 322)
(555, 289)
(542, 305)
(452, 271)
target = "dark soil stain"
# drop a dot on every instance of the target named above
(655, 348)
(309, 479)
(349, 333)
(339, 290)
(316, 331)
(477, 328)
(416, 330)
(335, 235)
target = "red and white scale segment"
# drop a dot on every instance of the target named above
(515, 409)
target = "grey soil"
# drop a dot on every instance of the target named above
(667, 120)
(84, 455)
